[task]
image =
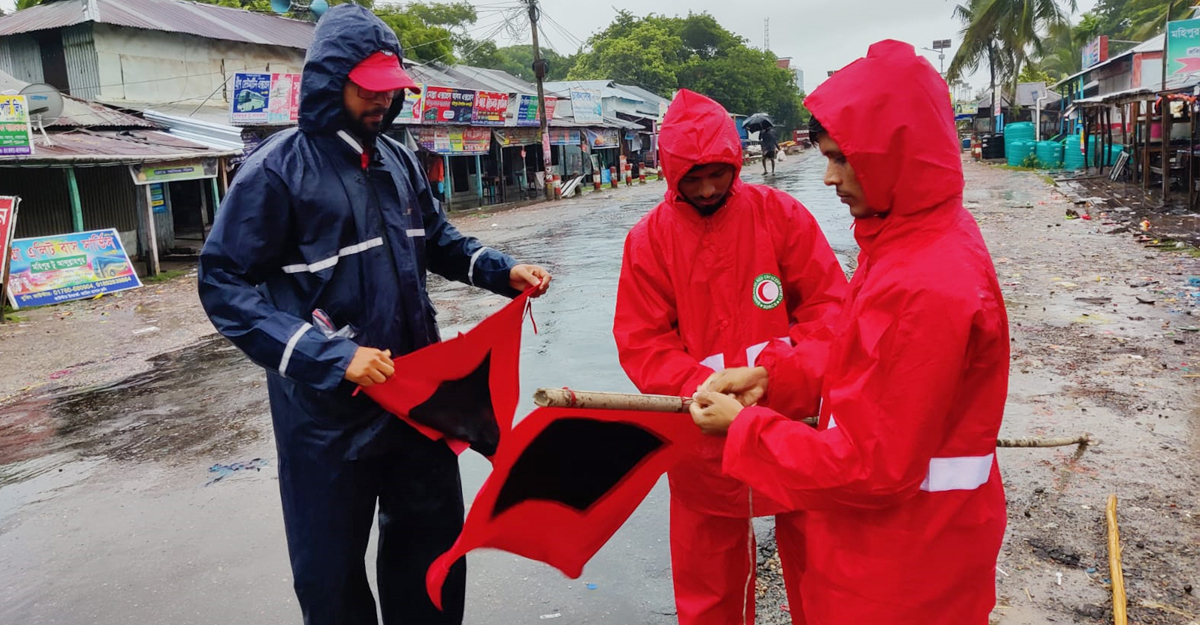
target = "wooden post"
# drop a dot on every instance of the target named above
(76, 204)
(1149, 139)
(1164, 146)
(152, 267)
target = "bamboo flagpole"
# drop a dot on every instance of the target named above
(569, 398)
(1120, 617)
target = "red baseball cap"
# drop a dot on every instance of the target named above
(382, 72)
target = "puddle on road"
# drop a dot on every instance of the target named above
(197, 401)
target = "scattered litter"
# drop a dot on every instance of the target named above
(591, 586)
(1001, 571)
(546, 617)
(145, 330)
(1072, 213)
(225, 470)
(786, 608)
(1138, 285)
(1098, 301)
(1143, 300)
(1059, 576)
(1146, 603)
(60, 374)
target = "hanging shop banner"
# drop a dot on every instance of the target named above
(458, 140)
(251, 98)
(8, 223)
(527, 110)
(283, 101)
(414, 101)
(177, 171)
(54, 269)
(444, 105)
(1183, 51)
(1095, 51)
(490, 108)
(587, 106)
(508, 137)
(16, 133)
(602, 138)
(158, 197)
(173, 172)
(564, 136)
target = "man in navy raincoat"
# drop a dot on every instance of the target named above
(335, 217)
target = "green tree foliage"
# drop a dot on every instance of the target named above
(1136, 20)
(1005, 35)
(695, 52)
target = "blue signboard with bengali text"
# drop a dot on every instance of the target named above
(64, 267)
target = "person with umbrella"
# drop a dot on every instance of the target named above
(765, 127)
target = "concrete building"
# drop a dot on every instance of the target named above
(147, 52)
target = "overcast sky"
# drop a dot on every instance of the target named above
(819, 35)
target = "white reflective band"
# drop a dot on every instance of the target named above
(471, 268)
(291, 346)
(348, 139)
(716, 362)
(415, 232)
(965, 473)
(329, 262)
(832, 423)
(754, 351)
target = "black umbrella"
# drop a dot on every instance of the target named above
(758, 122)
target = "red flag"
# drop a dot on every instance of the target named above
(465, 389)
(564, 481)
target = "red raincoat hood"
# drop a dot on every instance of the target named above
(697, 131)
(891, 115)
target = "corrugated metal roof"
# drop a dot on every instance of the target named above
(563, 88)
(112, 147)
(81, 114)
(204, 20)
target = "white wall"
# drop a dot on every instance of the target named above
(152, 66)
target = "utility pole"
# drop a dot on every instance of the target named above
(539, 70)
(1166, 47)
(767, 35)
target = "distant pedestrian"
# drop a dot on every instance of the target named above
(770, 146)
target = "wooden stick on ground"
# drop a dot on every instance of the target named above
(568, 398)
(1114, 565)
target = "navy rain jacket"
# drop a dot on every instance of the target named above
(310, 224)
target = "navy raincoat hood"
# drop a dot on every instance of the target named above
(344, 37)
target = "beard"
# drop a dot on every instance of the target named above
(367, 129)
(707, 210)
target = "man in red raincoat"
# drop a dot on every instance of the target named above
(904, 504)
(720, 274)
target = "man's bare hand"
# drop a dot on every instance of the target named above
(370, 367)
(523, 277)
(714, 412)
(747, 384)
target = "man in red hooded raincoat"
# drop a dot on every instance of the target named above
(720, 274)
(904, 505)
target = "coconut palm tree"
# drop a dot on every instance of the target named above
(1006, 33)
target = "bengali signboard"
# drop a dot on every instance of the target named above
(251, 98)
(1183, 51)
(508, 137)
(8, 222)
(587, 105)
(149, 173)
(528, 113)
(602, 138)
(490, 108)
(16, 133)
(283, 100)
(414, 102)
(564, 136)
(456, 140)
(1095, 52)
(54, 269)
(444, 105)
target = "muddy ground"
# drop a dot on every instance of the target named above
(117, 414)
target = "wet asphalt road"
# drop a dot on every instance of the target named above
(127, 503)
